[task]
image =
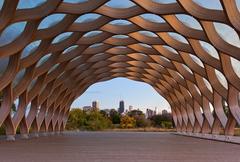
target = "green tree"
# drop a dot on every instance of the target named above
(104, 113)
(91, 120)
(141, 121)
(139, 116)
(167, 124)
(225, 107)
(163, 121)
(115, 116)
(76, 119)
(96, 121)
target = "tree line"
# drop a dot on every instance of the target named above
(100, 120)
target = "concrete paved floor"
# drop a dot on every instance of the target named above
(118, 147)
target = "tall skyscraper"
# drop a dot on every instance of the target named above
(95, 105)
(121, 107)
(156, 111)
(150, 113)
(130, 108)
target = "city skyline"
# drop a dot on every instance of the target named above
(137, 94)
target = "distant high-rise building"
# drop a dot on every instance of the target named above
(95, 105)
(121, 107)
(130, 108)
(156, 110)
(150, 113)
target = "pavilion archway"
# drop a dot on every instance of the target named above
(51, 52)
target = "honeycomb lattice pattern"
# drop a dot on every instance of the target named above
(201, 85)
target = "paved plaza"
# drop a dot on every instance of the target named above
(118, 147)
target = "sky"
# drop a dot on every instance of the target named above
(109, 93)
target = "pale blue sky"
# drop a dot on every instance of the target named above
(109, 93)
